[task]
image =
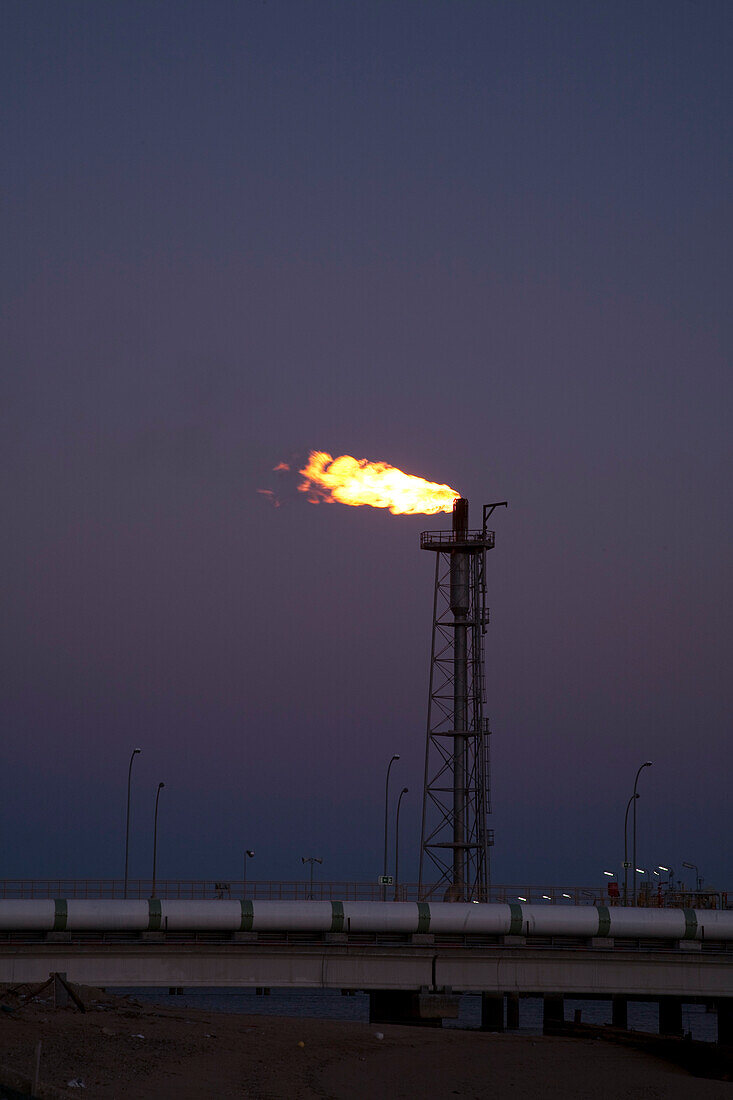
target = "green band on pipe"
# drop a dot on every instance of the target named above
(690, 924)
(337, 916)
(515, 928)
(423, 916)
(60, 915)
(155, 916)
(248, 916)
(604, 921)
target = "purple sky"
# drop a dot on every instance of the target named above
(488, 242)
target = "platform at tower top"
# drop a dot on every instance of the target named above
(450, 540)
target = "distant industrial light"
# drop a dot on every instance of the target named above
(640, 871)
(662, 868)
(520, 898)
(609, 873)
(656, 873)
(547, 897)
(566, 895)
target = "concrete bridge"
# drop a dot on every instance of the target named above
(416, 976)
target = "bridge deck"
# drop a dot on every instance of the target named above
(584, 971)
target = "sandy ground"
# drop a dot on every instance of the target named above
(119, 1048)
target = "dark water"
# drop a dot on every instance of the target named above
(331, 1005)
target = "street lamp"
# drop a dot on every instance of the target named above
(249, 852)
(397, 843)
(613, 890)
(311, 860)
(646, 764)
(693, 867)
(155, 835)
(127, 826)
(386, 811)
(670, 872)
(626, 848)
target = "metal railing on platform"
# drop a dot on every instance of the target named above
(222, 888)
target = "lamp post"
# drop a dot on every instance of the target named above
(386, 811)
(646, 764)
(155, 836)
(626, 849)
(694, 867)
(127, 825)
(397, 844)
(248, 852)
(311, 860)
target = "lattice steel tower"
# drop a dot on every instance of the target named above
(456, 840)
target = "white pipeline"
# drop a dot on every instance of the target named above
(158, 915)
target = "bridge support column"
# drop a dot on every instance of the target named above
(512, 1012)
(403, 1006)
(553, 1012)
(492, 1012)
(620, 1012)
(724, 1008)
(670, 1015)
(389, 1005)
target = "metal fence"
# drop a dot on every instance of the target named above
(202, 889)
(211, 889)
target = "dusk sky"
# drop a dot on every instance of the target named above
(487, 242)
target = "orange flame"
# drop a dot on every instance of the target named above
(271, 497)
(357, 481)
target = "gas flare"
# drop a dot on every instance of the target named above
(358, 481)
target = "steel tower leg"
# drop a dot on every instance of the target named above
(459, 605)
